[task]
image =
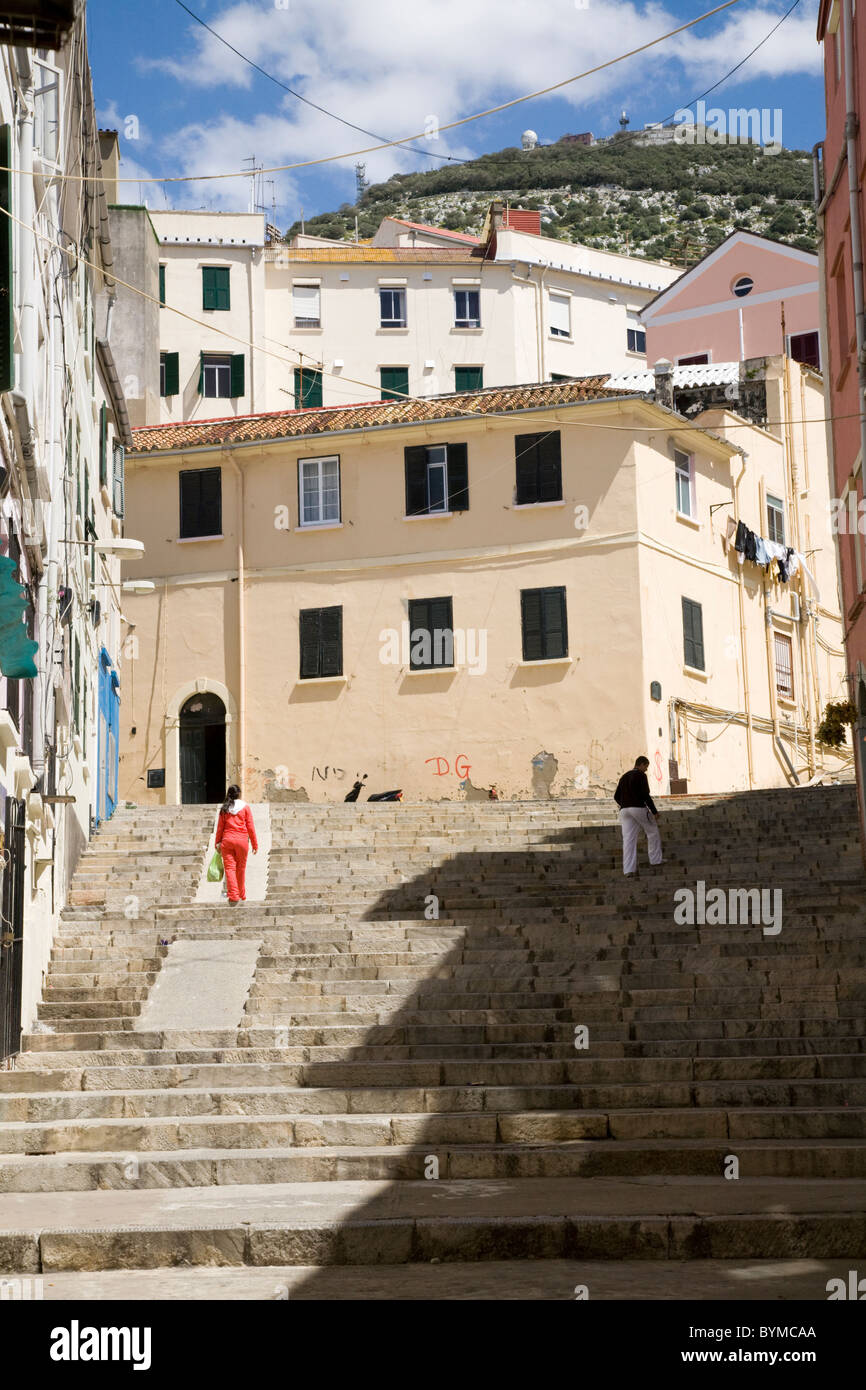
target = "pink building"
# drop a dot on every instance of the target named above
(751, 297)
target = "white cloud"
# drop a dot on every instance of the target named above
(394, 68)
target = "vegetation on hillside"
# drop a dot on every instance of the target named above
(672, 202)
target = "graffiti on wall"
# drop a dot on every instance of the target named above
(461, 766)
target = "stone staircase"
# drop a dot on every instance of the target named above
(469, 1045)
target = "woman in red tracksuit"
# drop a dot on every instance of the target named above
(235, 833)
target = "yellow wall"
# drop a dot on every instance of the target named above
(591, 712)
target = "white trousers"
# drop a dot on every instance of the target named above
(633, 819)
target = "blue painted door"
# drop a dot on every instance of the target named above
(109, 727)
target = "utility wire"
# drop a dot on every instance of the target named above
(454, 159)
(419, 135)
(302, 359)
(741, 63)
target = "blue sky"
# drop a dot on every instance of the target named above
(184, 104)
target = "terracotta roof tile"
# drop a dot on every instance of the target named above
(437, 231)
(290, 424)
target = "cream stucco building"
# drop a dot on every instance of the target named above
(521, 588)
(417, 312)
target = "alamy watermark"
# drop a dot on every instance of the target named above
(737, 126)
(719, 907)
(434, 648)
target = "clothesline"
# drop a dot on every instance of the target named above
(761, 551)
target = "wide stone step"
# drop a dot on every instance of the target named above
(586, 1159)
(346, 1222)
(490, 1281)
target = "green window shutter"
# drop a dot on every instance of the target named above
(308, 388)
(118, 479)
(526, 457)
(693, 635)
(458, 478)
(237, 382)
(545, 629)
(172, 373)
(201, 373)
(215, 287)
(555, 628)
(468, 378)
(7, 231)
(321, 642)
(200, 502)
(222, 288)
(162, 284)
(394, 383)
(208, 288)
(415, 462)
(103, 446)
(532, 624)
(331, 639)
(549, 468)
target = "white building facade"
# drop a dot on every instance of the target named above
(63, 427)
(417, 312)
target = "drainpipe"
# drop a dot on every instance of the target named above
(253, 254)
(851, 130)
(26, 204)
(744, 654)
(242, 638)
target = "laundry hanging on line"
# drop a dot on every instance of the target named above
(760, 551)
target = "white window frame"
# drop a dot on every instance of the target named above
(787, 692)
(777, 505)
(684, 469)
(306, 291)
(437, 461)
(566, 300)
(314, 468)
(40, 117)
(466, 320)
(634, 325)
(216, 363)
(402, 320)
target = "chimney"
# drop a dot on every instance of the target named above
(663, 371)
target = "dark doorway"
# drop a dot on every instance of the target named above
(202, 750)
(12, 926)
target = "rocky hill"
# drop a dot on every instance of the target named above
(672, 202)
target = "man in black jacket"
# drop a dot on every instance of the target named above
(637, 812)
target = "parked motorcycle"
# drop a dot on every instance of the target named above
(395, 795)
